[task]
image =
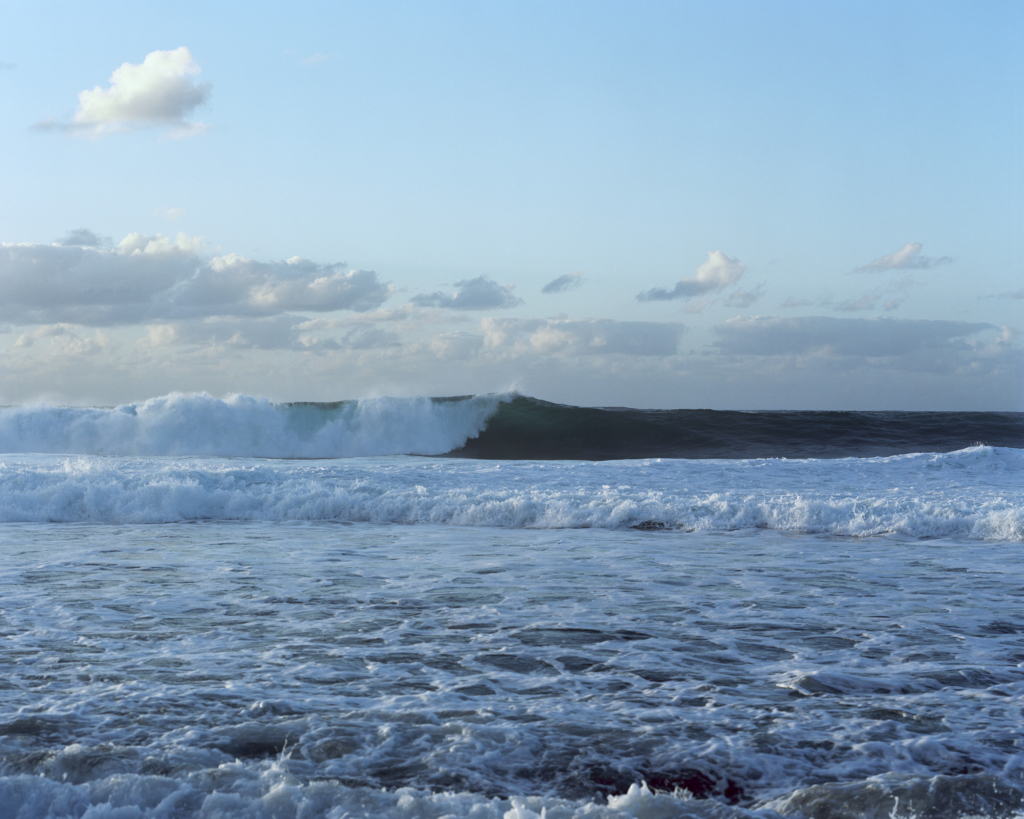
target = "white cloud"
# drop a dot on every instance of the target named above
(567, 282)
(161, 90)
(473, 294)
(136, 243)
(170, 214)
(718, 272)
(153, 279)
(829, 336)
(584, 337)
(907, 257)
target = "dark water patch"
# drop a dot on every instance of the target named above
(516, 664)
(528, 428)
(939, 797)
(576, 664)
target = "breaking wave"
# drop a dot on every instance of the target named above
(501, 426)
(973, 493)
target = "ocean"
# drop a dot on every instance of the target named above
(495, 607)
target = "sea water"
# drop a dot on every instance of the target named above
(209, 633)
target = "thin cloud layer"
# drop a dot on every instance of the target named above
(829, 336)
(65, 341)
(283, 332)
(744, 298)
(84, 238)
(149, 279)
(867, 302)
(159, 91)
(718, 272)
(569, 281)
(480, 293)
(586, 337)
(907, 257)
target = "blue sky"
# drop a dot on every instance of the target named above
(731, 205)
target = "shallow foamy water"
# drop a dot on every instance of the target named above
(325, 669)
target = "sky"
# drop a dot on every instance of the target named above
(724, 205)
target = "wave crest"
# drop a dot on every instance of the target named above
(244, 426)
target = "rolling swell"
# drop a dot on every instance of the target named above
(528, 428)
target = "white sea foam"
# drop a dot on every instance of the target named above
(975, 493)
(272, 793)
(263, 670)
(243, 426)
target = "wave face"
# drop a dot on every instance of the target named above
(532, 429)
(501, 427)
(243, 426)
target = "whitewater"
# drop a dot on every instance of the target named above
(494, 606)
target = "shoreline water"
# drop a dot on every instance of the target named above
(302, 664)
(398, 636)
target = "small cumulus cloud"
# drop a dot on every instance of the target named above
(569, 281)
(480, 293)
(829, 336)
(159, 91)
(170, 214)
(139, 243)
(907, 257)
(717, 273)
(316, 59)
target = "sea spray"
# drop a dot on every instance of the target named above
(244, 426)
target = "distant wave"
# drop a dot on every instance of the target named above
(502, 426)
